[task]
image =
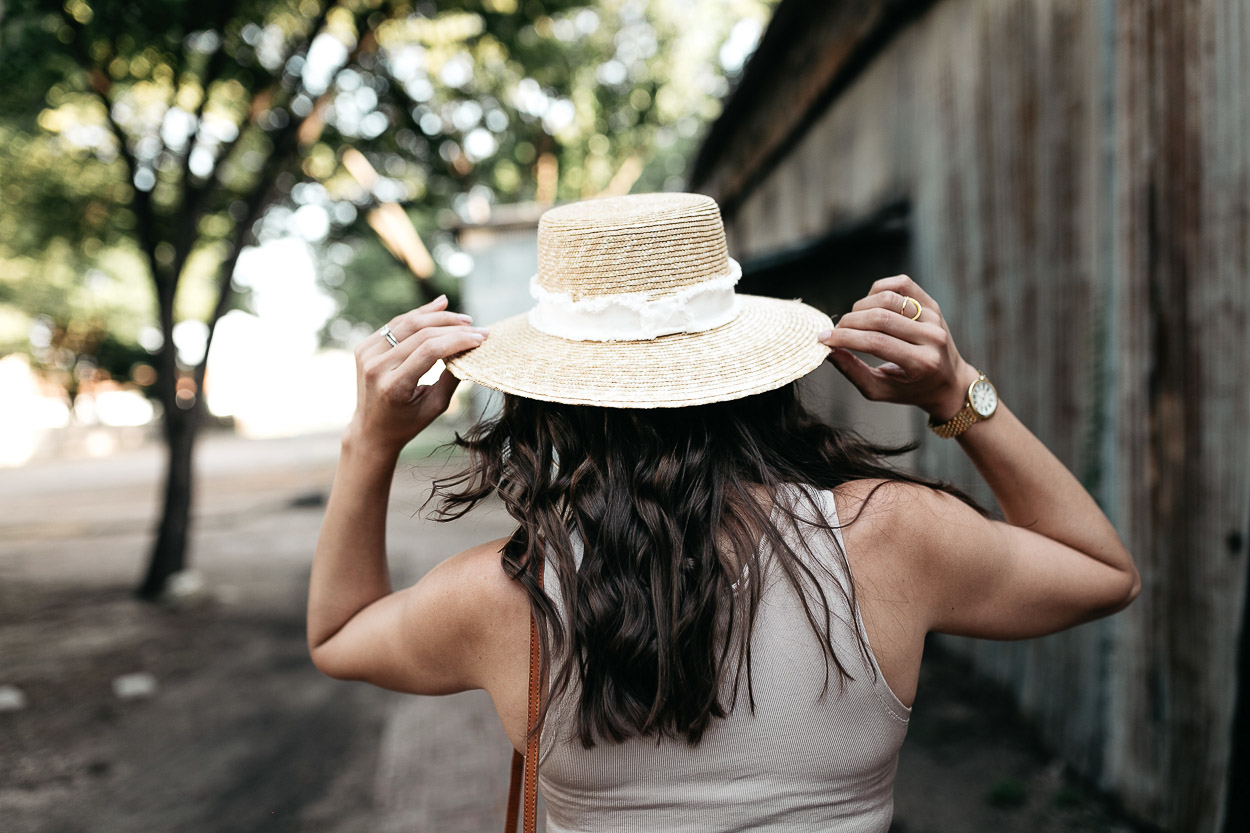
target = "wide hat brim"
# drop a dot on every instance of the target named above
(770, 343)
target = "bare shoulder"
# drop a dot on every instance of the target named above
(496, 615)
(496, 610)
(914, 517)
(480, 561)
(486, 593)
(875, 516)
(439, 636)
(883, 532)
(963, 573)
(873, 499)
(889, 511)
(904, 539)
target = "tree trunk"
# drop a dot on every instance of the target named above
(168, 554)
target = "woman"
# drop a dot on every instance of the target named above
(720, 651)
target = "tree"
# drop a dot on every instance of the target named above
(173, 131)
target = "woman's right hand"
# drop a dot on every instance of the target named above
(392, 406)
(921, 365)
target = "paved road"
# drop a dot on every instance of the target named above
(243, 733)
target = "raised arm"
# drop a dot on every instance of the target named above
(422, 638)
(1056, 562)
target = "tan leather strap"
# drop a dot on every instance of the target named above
(528, 763)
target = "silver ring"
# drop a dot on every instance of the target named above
(386, 331)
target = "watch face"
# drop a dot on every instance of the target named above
(983, 397)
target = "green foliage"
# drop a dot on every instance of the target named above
(149, 142)
(1007, 793)
(1069, 797)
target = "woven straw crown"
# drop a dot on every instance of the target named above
(636, 308)
(624, 244)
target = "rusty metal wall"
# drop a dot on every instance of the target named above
(1078, 173)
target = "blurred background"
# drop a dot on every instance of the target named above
(204, 207)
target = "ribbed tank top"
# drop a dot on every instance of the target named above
(800, 762)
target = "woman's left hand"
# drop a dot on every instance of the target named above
(391, 407)
(920, 364)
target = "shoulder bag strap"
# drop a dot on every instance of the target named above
(529, 762)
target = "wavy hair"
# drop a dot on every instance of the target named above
(665, 501)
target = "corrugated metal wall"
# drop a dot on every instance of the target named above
(1078, 173)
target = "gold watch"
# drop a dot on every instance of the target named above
(980, 404)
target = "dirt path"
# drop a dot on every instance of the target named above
(241, 734)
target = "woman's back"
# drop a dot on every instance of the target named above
(801, 761)
(643, 399)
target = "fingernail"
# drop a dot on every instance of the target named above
(465, 317)
(478, 336)
(482, 330)
(442, 297)
(824, 334)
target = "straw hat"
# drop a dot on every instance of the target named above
(635, 308)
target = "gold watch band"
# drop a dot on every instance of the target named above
(957, 424)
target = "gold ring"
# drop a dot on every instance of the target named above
(906, 300)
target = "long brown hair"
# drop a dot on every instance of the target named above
(663, 501)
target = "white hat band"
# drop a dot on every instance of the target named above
(636, 316)
(633, 317)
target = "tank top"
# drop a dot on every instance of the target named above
(800, 762)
